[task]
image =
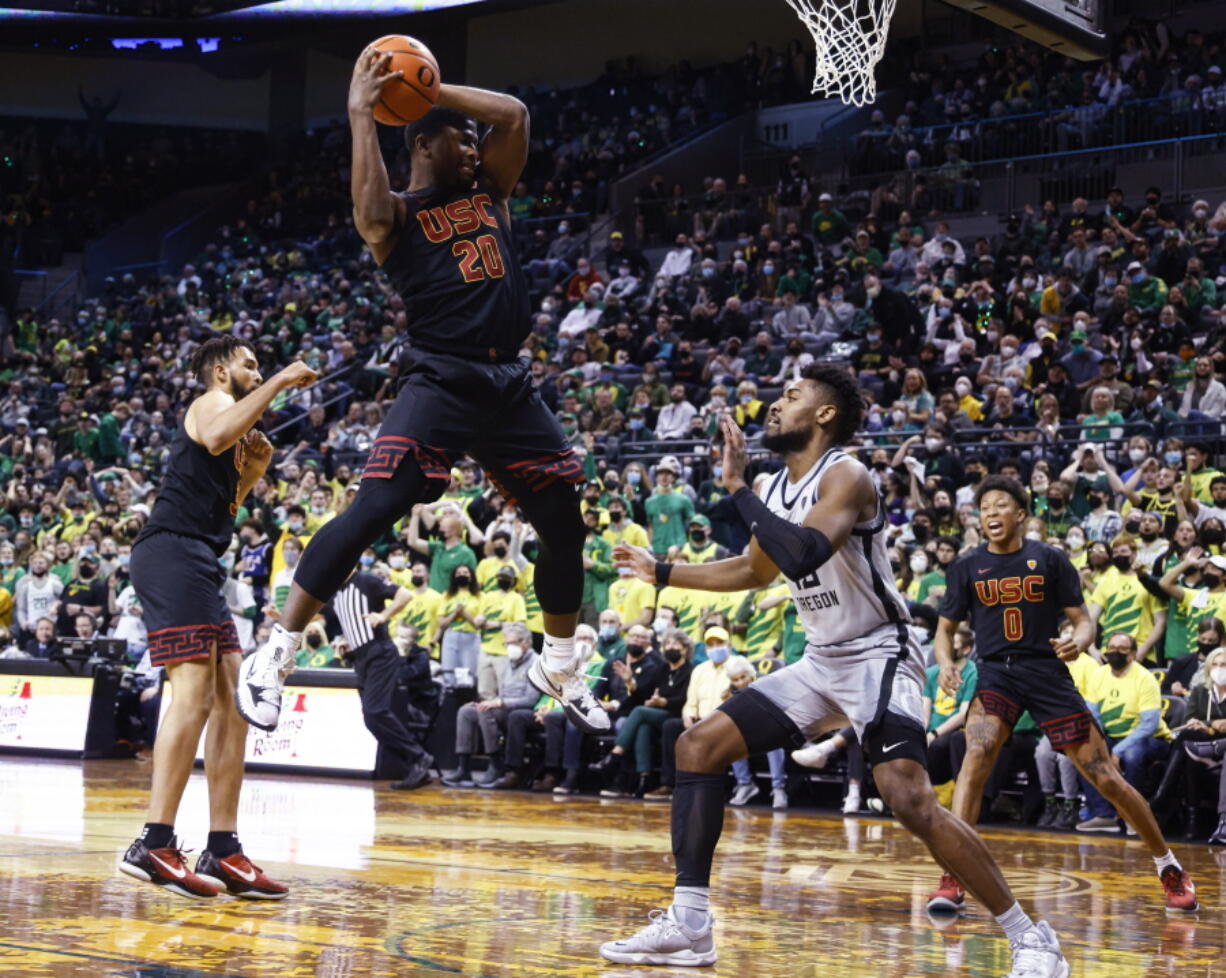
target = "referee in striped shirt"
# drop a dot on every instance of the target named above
(361, 608)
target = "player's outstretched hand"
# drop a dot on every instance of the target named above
(642, 562)
(298, 374)
(370, 74)
(734, 452)
(1065, 648)
(950, 679)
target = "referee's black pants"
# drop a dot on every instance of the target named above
(377, 665)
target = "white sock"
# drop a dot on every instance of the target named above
(853, 793)
(295, 637)
(557, 653)
(691, 906)
(1015, 921)
(1168, 860)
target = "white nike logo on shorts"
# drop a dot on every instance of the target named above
(179, 873)
(886, 750)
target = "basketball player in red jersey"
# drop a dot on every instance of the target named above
(446, 246)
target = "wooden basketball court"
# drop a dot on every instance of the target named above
(510, 884)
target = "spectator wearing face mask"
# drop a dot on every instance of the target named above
(621, 528)
(633, 600)
(1145, 292)
(708, 683)
(495, 608)
(499, 557)
(425, 604)
(482, 724)
(643, 724)
(668, 509)
(1208, 598)
(461, 643)
(1082, 362)
(699, 547)
(1121, 603)
(315, 652)
(563, 740)
(1126, 702)
(295, 528)
(85, 593)
(37, 595)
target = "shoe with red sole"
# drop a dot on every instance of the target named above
(1180, 891)
(949, 897)
(239, 876)
(166, 868)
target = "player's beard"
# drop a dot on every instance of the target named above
(786, 442)
(238, 390)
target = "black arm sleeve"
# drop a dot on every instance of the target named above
(796, 550)
(1150, 583)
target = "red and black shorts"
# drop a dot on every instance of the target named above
(1041, 684)
(178, 582)
(449, 406)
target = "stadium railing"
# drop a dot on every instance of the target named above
(1005, 184)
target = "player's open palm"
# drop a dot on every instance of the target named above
(642, 562)
(950, 679)
(370, 74)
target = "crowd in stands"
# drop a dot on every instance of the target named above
(1020, 100)
(1081, 350)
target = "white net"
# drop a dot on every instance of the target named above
(850, 37)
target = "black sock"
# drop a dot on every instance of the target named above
(697, 820)
(465, 765)
(223, 844)
(155, 835)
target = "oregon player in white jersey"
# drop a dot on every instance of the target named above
(852, 603)
(820, 524)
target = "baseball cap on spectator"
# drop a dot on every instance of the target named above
(669, 463)
(714, 632)
(825, 197)
(1047, 334)
(698, 519)
(1078, 335)
(1135, 266)
(1218, 561)
(616, 236)
(89, 557)
(1155, 384)
(38, 432)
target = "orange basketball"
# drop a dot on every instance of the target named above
(411, 97)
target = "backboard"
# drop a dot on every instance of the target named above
(1072, 27)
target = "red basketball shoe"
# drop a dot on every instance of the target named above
(166, 868)
(1180, 891)
(239, 876)
(949, 897)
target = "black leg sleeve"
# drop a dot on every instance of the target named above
(670, 733)
(554, 514)
(697, 821)
(334, 551)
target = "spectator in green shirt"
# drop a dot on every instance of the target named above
(1103, 421)
(446, 554)
(598, 569)
(1146, 292)
(668, 509)
(830, 225)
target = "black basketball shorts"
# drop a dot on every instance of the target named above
(178, 582)
(449, 406)
(1044, 686)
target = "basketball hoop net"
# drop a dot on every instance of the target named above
(850, 38)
